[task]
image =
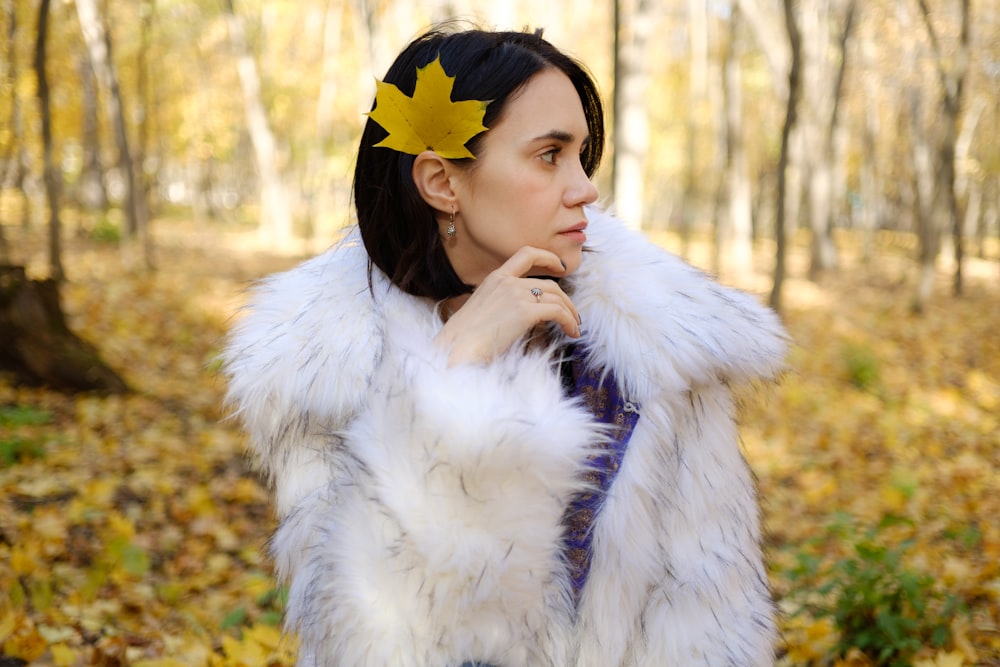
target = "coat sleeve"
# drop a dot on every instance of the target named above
(450, 521)
(297, 369)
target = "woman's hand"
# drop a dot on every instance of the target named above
(504, 306)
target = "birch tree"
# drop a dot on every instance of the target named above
(737, 175)
(869, 177)
(15, 157)
(52, 176)
(633, 25)
(791, 113)
(275, 226)
(8, 78)
(823, 82)
(951, 80)
(318, 185)
(98, 42)
(90, 189)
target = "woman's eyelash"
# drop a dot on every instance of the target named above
(550, 155)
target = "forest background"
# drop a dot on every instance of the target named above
(840, 158)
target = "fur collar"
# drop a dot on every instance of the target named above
(659, 323)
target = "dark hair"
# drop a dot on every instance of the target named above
(397, 226)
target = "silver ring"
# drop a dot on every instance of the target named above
(537, 292)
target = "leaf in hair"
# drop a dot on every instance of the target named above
(429, 120)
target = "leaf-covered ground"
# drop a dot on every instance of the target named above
(131, 529)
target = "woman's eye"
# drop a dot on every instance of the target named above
(550, 155)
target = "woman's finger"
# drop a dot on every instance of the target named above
(550, 292)
(533, 261)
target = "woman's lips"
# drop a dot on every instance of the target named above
(576, 233)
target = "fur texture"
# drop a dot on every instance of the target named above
(421, 506)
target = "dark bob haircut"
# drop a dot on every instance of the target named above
(397, 226)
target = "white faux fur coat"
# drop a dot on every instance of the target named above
(421, 505)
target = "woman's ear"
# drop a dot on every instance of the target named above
(432, 176)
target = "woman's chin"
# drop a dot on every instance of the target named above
(571, 260)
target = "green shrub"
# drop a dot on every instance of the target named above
(16, 448)
(106, 231)
(269, 610)
(24, 415)
(877, 604)
(861, 365)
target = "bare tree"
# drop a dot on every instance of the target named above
(698, 91)
(767, 26)
(52, 176)
(90, 190)
(98, 41)
(633, 24)
(739, 214)
(952, 84)
(823, 88)
(791, 110)
(147, 11)
(14, 161)
(8, 75)
(871, 198)
(275, 213)
(318, 186)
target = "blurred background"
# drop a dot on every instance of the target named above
(838, 158)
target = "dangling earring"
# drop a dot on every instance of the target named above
(451, 226)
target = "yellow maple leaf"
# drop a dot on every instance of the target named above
(429, 120)
(942, 659)
(243, 652)
(64, 656)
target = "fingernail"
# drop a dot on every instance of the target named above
(579, 320)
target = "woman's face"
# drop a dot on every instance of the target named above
(527, 187)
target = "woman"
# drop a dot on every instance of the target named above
(499, 425)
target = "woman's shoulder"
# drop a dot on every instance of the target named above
(315, 320)
(649, 309)
(340, 272)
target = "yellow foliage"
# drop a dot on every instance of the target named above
(430, 120)
(8, 621)
(142, 522)
(64, 656)
(854, 658)
(25, 643)
(943, 659)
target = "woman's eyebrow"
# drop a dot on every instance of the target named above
(559, 135)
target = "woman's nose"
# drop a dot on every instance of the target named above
(582, 190)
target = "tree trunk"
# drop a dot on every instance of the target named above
(740, 209)
(11, 161)
(98, 42)
(927, 209)
(319, 186)
(691, 198)
(767, 25)
(824, 102)
(90, 191)
(871, 197)
(952, 84)
(633, 23)
(275, 213)
(990, 217)
(147, 10)
(18, 176)
(52, 175)
(794, 85)
(39, 349)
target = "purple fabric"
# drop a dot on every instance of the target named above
(598, 389)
